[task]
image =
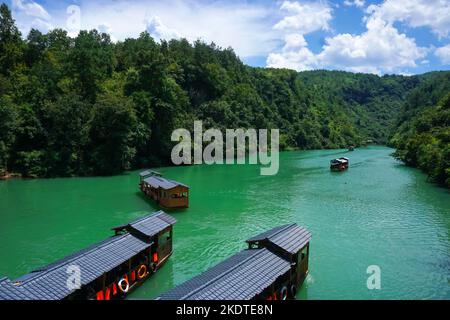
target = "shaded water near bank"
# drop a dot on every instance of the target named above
(377, 213)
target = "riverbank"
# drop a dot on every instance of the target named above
(9, 175)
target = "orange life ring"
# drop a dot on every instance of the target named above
(142, 271)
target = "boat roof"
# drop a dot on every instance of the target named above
(160, 182)
(10, 292)
(340, 160)
(149, 173)
(290, 237)
(240, 277)
(149, 225)
(246, 274)
(50, 282)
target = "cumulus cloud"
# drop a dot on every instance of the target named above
(295, 55)
(443, 53)
(246, 27)
(299, 19)
(30, 14)
(382, 48)
(41, 25)
(434, 14)
(31, 8)
(106, 28)
(305, 17)
(356, 3)
(159, 30)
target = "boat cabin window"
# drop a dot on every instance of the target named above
(164, 238)
(303, 254)
(179, 195)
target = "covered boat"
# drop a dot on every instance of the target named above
(104, 271)
(169, 194)
(339, 164)
(272, 268)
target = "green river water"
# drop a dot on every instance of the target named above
(377, 213)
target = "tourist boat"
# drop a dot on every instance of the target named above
(273, 267)
(340, 164)
(108, 270)
(169, 194)
(351, 148)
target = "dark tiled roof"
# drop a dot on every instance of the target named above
(290, 238)
(166, 184)
(145, 173)
(267, 234)
(50, 282)
(151, 225)
(10, 292)
(148, 173)
(240, 277)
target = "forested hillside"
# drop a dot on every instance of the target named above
(423, 135)
(88, 106)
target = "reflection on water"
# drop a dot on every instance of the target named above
(377, 213)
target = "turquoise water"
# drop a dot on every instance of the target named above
(377, 213)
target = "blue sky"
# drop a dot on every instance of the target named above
(381, 37)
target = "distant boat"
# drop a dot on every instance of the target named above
(340, 164)
(169, 194)
(351, 148)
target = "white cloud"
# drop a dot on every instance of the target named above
(443, 53)
(159, 30)
(30, 14)
(300, 59)
(106, 28)
(356, 3)
(306, 17)
(380, 49)
(295, 55)
(245, 27)
(41, 25)
(300, 19)
(31, 8)
(434, 14)
(294, 41)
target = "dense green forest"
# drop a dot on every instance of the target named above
(422, 137)
(88, 106)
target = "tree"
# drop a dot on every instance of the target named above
(68, 135)
(8, 127)
(91, 61)
(111, 132)
(10, 41)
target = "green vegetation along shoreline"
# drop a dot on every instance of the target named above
(87, 106)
